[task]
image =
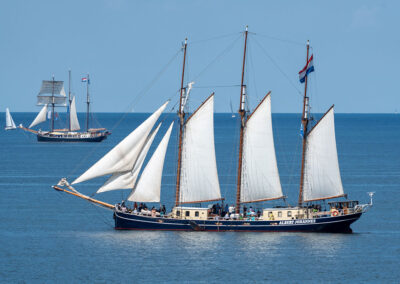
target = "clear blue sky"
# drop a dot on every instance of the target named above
(124, 44)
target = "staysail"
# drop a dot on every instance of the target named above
(41, 117)
(128, 179)
(73, 116)
(322, 175)
(9, 121)
(120, 158)
(260, 177)
(52, 92)
(199, 176)
(148, 188)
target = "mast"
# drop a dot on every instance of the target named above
(70, 101)
(52, 104)
(304, 122)
(242, 113)
(181, 115)
(87, 102)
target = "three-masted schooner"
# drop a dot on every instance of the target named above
(197, 177)
(52, 95)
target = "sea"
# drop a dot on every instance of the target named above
(51, 237)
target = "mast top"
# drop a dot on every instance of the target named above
(247, 28)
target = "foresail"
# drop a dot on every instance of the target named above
(260, 176)
(322, 175)
(41, 117)
(126, 180)
(52, 92)
(199, 176)
(74, 122)
(148, 188)
(121, 157)
(9, 121)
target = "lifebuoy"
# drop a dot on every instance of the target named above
(335, 213)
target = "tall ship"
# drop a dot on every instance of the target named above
(51, 95)
(197, 179)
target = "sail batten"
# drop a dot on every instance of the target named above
(74, 122)
(322, 178)
(199, 175)
(41, 117)
(121, 157)
(260, 176)
(148, 188)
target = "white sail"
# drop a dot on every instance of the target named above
(122, 156)
(199, 176)
(41, 117)
(9, 121)
(148, 187)
(52, 92)
(127, 179)
(74, 122)
(260, 177)
(322, 175)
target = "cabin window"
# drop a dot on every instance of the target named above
(196, 214)
(279, 214)
(187, 213)
(289, 213)
(178, 213)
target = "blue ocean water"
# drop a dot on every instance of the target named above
(47, 236)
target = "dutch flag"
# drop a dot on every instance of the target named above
(306, 70)
(84, 79)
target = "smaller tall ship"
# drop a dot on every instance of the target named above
(52, 95)
(197, 179)
(10, 124)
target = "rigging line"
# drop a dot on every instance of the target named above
(277, 66)
(215, 38)
(280, 39)
(229, 47)
(215, 86)
(130, 106)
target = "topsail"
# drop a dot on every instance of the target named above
(52, 92)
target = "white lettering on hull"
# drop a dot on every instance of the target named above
(293, 222)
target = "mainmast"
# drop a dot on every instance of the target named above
(181, 115)
(87, 102)
(52, 104)
(242, 113)
(70, 101)
(304, 121)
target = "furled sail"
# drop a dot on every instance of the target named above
(41, 117)
(74, 122)
(199, 177)
(260, 177)
(322, 175)
(9, 121)
(148, 188)
(52, 92)
(127, 179)
(120, 158)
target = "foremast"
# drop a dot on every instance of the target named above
(304, 122)
(242, 113)
(181, 114)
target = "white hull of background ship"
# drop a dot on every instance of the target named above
(197, 177)
(52, 95)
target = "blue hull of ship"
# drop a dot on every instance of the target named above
(338, 224)
(41, 138)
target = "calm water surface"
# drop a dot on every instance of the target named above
(46, 236)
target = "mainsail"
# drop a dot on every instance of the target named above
(128, 179)
(74, 122)
(9, 121)
(148, 187)
(260, 177)
(120, 158)
(199, 176)
(322, 175)
(52, 92)
(41, 117)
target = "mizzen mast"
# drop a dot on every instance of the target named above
(242, 113)
(181, 115)
(70, 100)
(87, 102)
(304, 122)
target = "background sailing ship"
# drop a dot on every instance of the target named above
(52, 95)
(197, 176)
(10, 124)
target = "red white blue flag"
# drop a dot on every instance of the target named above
(84, 79)
(306, 70)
